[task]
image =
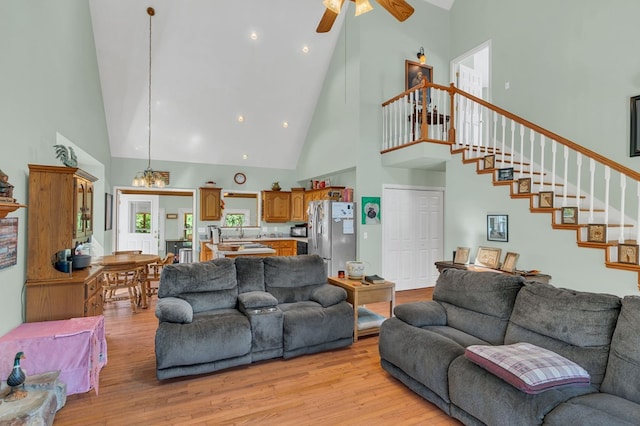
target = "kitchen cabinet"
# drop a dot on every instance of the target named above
(276, 206)
(328, 193)
(298, 206)
(283, 247)
(60, 217)
(210, 204)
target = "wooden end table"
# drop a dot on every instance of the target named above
(359, 293)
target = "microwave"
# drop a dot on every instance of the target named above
(299, 231)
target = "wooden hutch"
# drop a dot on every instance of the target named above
(60, 217)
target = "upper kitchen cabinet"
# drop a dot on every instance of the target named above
(210, 204)
(276, 206)
(298, 206)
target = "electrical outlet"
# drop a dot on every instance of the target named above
(507, 86)
(365, 235)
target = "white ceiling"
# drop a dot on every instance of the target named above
(207, 71)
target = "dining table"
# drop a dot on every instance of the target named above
(132, 261)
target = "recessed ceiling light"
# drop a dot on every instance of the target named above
(285, 124)
(254, 35)
(245, 156)
(305, 49)
(240, 118)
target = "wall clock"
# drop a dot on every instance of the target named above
(239, 178)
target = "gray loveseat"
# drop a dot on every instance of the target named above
(228, 312)
(424, 347)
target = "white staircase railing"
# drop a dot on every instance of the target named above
(604, 192)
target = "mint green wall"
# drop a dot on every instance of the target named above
(572, 68)
(366, 69)
(49, 84)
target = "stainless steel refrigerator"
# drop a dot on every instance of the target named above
(332, 233)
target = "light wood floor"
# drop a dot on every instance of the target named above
(340, 387)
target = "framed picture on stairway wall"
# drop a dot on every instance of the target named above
(628, 253)
(596, 233)
(634, 150)
(414, 72)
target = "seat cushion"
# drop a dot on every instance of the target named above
(528, 367)
(212, 336)
(309, 324)
(595, 409)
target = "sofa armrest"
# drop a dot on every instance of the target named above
(173, 309)
(328, 295)
(420, 314)
(255, 302)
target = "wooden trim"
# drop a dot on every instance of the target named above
(156, 192)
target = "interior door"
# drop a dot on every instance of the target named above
(470, 81)
(138, 218)
(412, 236)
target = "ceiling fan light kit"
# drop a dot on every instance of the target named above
(400, 9)
(149, 178)
(363, 6)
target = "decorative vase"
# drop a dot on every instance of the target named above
(275, 186)
(355, 269)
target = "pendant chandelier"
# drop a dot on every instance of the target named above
(149, 178)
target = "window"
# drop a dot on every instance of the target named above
(188, 225)
(234, 219)
(143, 223)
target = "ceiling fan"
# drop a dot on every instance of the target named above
(400, 9)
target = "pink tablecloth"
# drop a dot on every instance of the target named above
(77, 347)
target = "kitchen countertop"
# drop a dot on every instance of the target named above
(241, 251)
(256, 239)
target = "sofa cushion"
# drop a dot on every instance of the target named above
(420, 314)
(205, 285)
(595, 409)
(172, 309)
(576, 325)
(478, 303)
(250, 274)
(527, 367)
(294, 278)
(622, 377)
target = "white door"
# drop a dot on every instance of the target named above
(470, 81)
(413, 222)
(138, 219)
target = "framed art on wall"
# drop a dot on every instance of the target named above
(8, 242)
(634, 148)
(414, 72)
(498, 227)
(108, 212)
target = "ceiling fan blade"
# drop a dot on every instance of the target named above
(327, 20)
(400, 9)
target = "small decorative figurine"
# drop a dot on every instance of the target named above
(66, 155)
(275, 186)
(16, 378)
(6, 189)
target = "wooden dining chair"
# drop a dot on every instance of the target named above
(131, 279)
(155, 269)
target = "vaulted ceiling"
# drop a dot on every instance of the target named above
(232, 82)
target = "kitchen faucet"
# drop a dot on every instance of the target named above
(240, 230)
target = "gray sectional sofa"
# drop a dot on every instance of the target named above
(424, 345)
(228, 312)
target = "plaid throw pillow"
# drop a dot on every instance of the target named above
(528, 367)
